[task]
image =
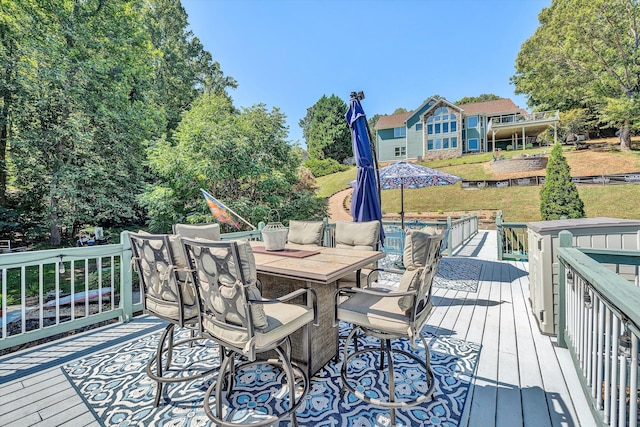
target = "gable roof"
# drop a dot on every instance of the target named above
(393, 121)
(499, 106)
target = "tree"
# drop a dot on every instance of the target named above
(559, 196)
(240, 157)
(585, 54)
(182, 68)
(480, 98)
(327, 132)
(83, 119)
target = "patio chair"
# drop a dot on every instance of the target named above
(234, 315)
(209, 231)
(308, 233)
(160, 263)
(389, 315)
(362, 236)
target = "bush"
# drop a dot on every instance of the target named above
(529, 145)
(559, 196)
(324, 167)
(509, 147)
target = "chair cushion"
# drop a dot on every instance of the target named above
(282, 320)
(375, 312)
(357, 235)
(409, 281)
(351, 278)
(203, 231)
(306, 232)
(415, 248)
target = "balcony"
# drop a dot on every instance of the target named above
(504, 126)
(520, 377)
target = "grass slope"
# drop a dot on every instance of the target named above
(519, 204)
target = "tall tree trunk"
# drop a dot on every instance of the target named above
(625, 136)
(55, 238)
(4, 133)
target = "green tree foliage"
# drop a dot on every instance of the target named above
(240, 157)
(79, 133)
(559, 196)
(400, 110)
(326, 131)
(585, 54)
(182, 69)
(324, 167)
(480, 98)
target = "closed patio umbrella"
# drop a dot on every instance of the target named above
(365, 202)
(404, 174)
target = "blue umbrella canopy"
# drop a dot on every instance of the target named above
(365, 202)
(404, 174)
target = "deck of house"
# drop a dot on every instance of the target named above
(521, 378)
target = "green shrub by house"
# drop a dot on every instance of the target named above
(559, 196)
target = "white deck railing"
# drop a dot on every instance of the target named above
(72, 288)
(599, 323)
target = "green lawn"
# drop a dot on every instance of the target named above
(519, 204)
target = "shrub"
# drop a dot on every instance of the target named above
(324, 167)
(509, 147)
(529, 145)
(559, 196)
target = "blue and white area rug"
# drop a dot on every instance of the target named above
(459, 274)
(116, 388)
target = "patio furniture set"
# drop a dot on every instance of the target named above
(282, 308)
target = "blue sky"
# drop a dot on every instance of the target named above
(288, 53)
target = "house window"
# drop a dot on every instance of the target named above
(430, 129)
(430, 144)
(401, 151)
(454, 142)
(437, 127)
(454, 126)
(445, 142)
(399, 132)
(437, 144)
(445, 127)
(472, 144)
(418, 126)
(472, 122)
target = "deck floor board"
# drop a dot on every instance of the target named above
(521, 377)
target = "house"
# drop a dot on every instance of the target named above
(439, 129)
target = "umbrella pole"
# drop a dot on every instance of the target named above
(402, 206)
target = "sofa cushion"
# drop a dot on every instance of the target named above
(306, 232)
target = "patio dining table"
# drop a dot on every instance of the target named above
(318, 268)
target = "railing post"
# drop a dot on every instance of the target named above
(449, 237)
(325, 236)
(499, 231)
(566, 241)
(126, 278)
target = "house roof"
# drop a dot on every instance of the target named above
(393, 121)
(491, 108)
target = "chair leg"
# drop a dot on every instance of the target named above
(392, 383)
(159, 385)
(285, 357)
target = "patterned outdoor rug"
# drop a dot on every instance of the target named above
(115, 386)
(460, 274)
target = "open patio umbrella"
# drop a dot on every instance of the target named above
(404, 174)
(365, 202)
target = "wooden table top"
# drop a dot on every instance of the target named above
(328, 266)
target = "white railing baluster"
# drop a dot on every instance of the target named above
(599, 350)
(23, 298)
(41, 296)
(73, 291)
(113, 282)
(607, 367)
(589, 340)
(86, 287)
(4, 303)
(622, 406)
(633, 381)
(615, 333)
(99, 268)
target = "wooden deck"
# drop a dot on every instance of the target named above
(521, 378)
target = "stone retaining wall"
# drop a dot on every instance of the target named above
(519, 164)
